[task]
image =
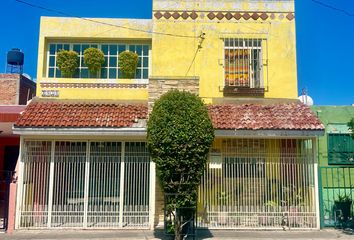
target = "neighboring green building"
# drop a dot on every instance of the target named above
(336, 161)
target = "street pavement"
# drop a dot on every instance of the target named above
(158, 234)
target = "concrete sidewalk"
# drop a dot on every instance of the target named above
(158, 234)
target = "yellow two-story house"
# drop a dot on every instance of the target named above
(84, 162)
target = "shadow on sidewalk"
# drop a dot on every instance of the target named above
(200, 234)
(347, 228)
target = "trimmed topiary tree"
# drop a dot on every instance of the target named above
(93, 59)
(128, 62)
(179, 135)
(351, 127)
(67, 62)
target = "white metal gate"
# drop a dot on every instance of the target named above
(68, 184)
(258, 183)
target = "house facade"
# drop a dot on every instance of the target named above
(15, 91)
(84, 162)
(336, 162)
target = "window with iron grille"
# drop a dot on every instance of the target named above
(110, 69)
(243, 63)
(340, 149)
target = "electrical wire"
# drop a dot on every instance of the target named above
(333, 8)
(99, 22)
(98, 34)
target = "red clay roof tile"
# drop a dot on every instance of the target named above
(285, 116)
(82, 115)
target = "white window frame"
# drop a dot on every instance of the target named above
(99, 45)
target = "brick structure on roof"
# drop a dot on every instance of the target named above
(161, 85)
(16, 89)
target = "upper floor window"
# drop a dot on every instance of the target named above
(243, 63)
(110, 69)
(340, 149)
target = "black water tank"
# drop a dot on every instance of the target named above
(15, 57)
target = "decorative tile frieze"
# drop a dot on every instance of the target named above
(246, 16)
(237, 16)
(193, 15)
(290, 16)
(184, 15)
(211, 15)
(255, 16)
(158, 15)
(220, 15)
(176, 15)
(92, 85)
(228, 16)
(263, 16)
(167, 15)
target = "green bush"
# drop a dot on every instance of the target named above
(351, 127)
(93, 59)
(179, 135)
(128, 62)
(67, 62)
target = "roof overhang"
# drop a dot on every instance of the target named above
(8, 116)
(81, 131)
(264, 133)
(10, 113)
(141, 132)
(338, 128)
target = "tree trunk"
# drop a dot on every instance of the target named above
(178, 230)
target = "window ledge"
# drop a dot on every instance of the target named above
(234, 91)
(94, 80)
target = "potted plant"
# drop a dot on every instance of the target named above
(128, 62)
(93, 59)
(270, 218)
(344, 204)
(292, 205)
(67, 62)
(223, 210)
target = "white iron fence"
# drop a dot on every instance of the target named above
(248, 184)
(69, 184)
(255, 183)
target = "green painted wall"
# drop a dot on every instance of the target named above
(330, 115)
(334, 180)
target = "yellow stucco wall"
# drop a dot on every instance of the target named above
(174, 54)
(178, 56)
(72, 30)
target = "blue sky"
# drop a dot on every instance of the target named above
(325, 39)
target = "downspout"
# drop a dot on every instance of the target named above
(319, 178)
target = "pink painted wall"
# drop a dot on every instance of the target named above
(12, 208)
(9, 141)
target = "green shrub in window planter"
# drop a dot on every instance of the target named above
(93, 59)
(128, 62)
(67, 62)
